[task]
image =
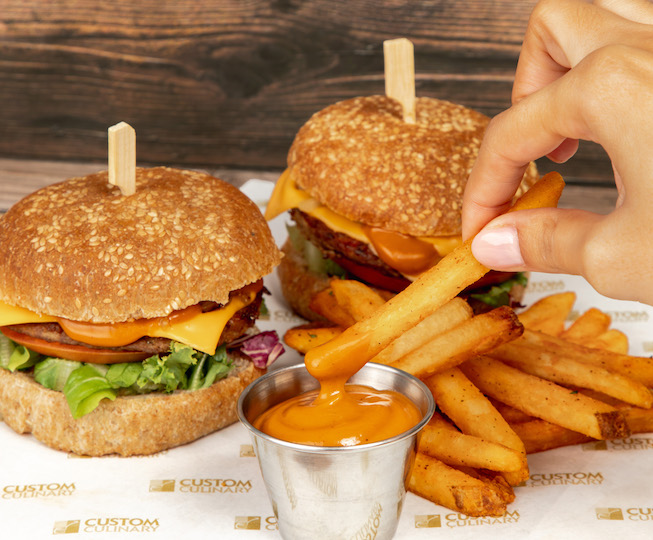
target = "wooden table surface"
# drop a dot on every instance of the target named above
(20, 177)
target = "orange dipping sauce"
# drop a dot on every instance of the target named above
(340, 414)
(354, 415)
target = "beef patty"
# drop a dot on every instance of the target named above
(335, 245)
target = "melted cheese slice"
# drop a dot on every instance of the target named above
(201, 331)
(287, 195)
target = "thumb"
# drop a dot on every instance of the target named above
(540, 240)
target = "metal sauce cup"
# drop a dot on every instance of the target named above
(334, 492)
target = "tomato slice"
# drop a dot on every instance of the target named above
(78, 353)
(373, 276)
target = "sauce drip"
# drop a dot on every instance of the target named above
(406, 254)
(340, 414)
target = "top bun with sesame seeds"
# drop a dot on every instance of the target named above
(127, 322)
(380, 197)
(81, 250)
(360, 159)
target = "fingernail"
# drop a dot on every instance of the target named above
(498, 248)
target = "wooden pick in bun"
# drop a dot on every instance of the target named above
(378, 196)
(131, 318)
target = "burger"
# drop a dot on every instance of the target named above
(128, 322)
(377, 199)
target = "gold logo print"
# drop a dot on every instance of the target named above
(546, 286)
(250, 523)
(609, 513)
(162, 485)
(247, 450)
(66, 527)
(594, 445)
(428, 521)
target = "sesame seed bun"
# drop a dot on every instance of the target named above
(83, 251)
(359, 158)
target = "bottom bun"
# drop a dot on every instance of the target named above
(130, 425)
(299, 284)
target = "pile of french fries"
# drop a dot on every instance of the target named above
(505, 384)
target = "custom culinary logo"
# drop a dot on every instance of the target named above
(620, 445)
(564, 479)
(546, 286)
(627, 514)
(255, 523)
(247, 450)
(428, 521)
(371, 526)
(31, 491)
(455, 520)
(107, 525)
(629, 316)
(202, 485)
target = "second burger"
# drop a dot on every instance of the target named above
(377, 199)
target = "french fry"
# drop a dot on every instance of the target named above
(550, 364)
(356, 298)
(431, 290)
(441, 320)
(324, 303)
(305, 337)
(549, 314)
(539, 435)
(454, 489)
(638, 368)
(493, 479)
(612, 340)
(510, 414)
(639, 420)
(474, 415)
(441, 440)
(471, 337)
(546, 400)
(590, 324)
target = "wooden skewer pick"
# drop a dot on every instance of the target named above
(122, 158)
(400, 74)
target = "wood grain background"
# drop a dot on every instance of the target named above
(227, 83)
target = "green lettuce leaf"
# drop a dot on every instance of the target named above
(54, 372)
(168, 372)
(499, 295)
(124, 375)
(14, 356)
(85, 388)
(210, 369)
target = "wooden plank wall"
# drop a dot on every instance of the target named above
(226, 83)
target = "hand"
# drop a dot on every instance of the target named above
(585, 72)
